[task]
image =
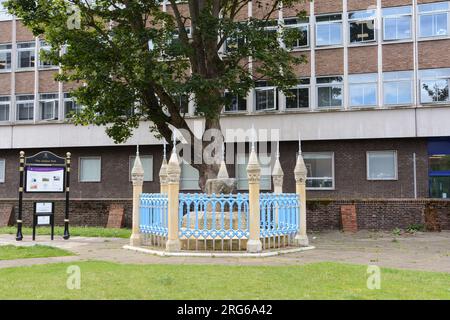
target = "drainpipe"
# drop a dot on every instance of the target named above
(415, 175)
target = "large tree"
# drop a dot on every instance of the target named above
(136, 62)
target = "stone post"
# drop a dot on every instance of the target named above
(254, 176)
(300, 173)
(173, 189)
(137, 176)
(163, 177)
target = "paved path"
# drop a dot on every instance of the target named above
(421, 251)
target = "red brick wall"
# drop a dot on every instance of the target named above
(377, 214)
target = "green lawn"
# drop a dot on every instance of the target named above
(103, 280)
(10, 252)
(74, 231)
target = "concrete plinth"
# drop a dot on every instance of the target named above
(254, 246)
(173, 245)
(301, 240)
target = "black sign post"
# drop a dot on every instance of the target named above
(44, 172)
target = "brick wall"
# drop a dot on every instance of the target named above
(377, 214)
(81, 212)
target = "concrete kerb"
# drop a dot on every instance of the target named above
(162, 253)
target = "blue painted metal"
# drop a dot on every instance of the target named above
(203, 216)
(154, 214)
(280, 214)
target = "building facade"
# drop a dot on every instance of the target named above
(372, 105)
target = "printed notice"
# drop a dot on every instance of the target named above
(45, 179)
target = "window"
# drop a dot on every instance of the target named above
(4, 15)
(71, 106)
(329, 30)
(233, 43)
(241, 171)
(362, 26)
(2, 170)
(48, 106)
(5, 103)
(363, 90)
(183, 103)
(25, 107)
(329, 92)
(189, 177)
(147, 164)
(397, 23)
(42, 63)
(266, 96)
(320, 167)
(235, 102)
(297, 35)
(90, 169)
(433, 19)
(439, 167)
(434, 85)
(26, 57)
(5, 57)
(382, 165)
(298, 97)
(398, 88)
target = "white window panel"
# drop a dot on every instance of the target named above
(90, 169)
(5, 105)
(382, 165)
(147, 165)
(241, 172)
(189, 177)
(320, 167)
(2, 170)
(24, 107)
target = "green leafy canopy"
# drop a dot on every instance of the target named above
(134, 61)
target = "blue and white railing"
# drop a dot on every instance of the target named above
(154, 216)
(203, 216)
(280, 218)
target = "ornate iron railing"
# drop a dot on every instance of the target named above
(279, 214)
(154, 217)
(203, 216)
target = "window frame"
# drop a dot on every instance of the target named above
(362, 20)
(333, 172)
(54, 101)
(339, 22)
(395, 165)
(80, 169)
(397, 16)
(20, 102)
(6, 51)
(225, 111)
(435, 77)
(330, 84)
(398, 80)
(299, 25)
(68, 98)
(3, 171)
(300, 86)
(8, 104)
(31, 49)
(266, 88)
(431, 13)
(43, 46)
(350, 84)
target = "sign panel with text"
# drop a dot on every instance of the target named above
(44, 179)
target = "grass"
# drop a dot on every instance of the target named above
(74, 231)
(10, 252)
(104, 280)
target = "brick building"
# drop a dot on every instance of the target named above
(372, 105)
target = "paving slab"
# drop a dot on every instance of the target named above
(420, 251)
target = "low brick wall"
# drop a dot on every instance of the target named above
(322, 214)
(379, 214)
(81, 213)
